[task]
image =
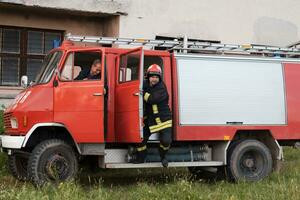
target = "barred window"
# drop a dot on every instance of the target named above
(22, 51)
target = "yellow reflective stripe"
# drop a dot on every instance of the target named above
(163, 147)
(163, 125)
(155, 108)
(157, 119)
(141, 148)
(160, 125)
(161, 128)
(146, 96)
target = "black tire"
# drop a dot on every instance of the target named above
(52, 161)
(17, 166)
(249, 160)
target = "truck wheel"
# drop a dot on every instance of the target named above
(249, 160)
(17, 165)
(52, 161)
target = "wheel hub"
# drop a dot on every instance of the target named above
(57, 167)
(249, 162)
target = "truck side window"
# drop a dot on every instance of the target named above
(66, 74)
(82, 66)
(129, 68)
(87, 66)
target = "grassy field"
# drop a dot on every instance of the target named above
(157, 184)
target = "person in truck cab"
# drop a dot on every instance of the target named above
(93, 73)
(158, 117)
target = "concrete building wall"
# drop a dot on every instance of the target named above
(272, 22)
(68, 23)
(93, 7)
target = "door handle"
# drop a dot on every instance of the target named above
(136, 94)
(97, 94)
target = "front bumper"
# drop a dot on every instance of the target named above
(11, 142)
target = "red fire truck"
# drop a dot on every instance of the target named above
(233, 108)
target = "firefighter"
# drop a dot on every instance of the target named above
(157, 114)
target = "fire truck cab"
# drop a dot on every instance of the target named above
(231, 112)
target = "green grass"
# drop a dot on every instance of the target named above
(157, 184)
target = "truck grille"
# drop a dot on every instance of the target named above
(6, 118)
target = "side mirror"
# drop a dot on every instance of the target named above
(24, 81)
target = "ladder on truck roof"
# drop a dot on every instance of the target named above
(192, 46)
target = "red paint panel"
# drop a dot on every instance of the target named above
(292, 85)
(34, 108)
(127, 112)
(76, 106)
(127, 120)
(85, 126)
(111, 77)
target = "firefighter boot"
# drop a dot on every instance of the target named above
(163, 151)
(140, 155)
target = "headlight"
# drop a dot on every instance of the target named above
(13, 122)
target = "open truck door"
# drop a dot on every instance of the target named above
(79, 101)
(129, 96)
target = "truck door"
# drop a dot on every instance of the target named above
(128, 97)
(79, 96)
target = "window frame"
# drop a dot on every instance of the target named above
(53, 71)
(138, 70)
(145, 67)
(23, 54)
(73, 53)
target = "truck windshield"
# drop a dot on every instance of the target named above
(48, 67)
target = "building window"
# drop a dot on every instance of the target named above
(22, 51)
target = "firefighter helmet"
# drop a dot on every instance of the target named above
(154, 70)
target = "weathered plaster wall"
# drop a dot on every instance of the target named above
(67, 23)
(88, 6)
(272, 22)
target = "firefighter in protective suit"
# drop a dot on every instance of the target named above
(157, 114)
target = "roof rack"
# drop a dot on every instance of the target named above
(186, 46)
(123, 41)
